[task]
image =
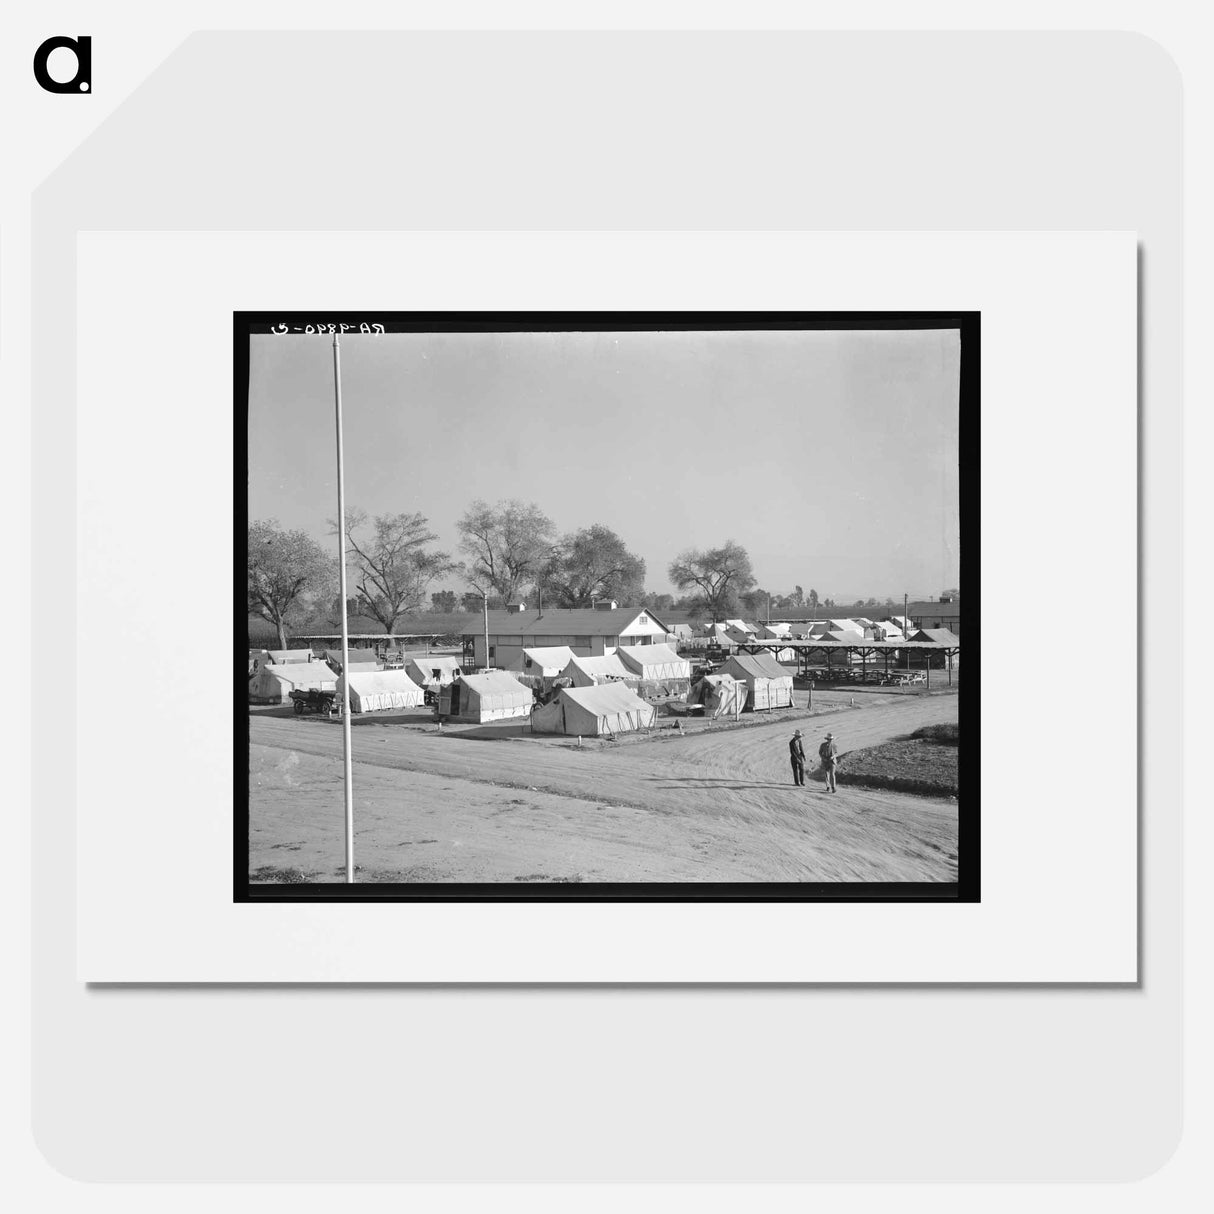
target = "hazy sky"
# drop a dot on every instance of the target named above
(831, 457)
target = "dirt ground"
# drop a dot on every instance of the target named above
(708, 804)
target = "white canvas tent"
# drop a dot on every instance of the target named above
(273, 683)
(680, 632)
(768, 684)
(432, 669)
(544, 662)
(718, 634)
(775, 632)
(656, 664)
(592, 671)
(360, 660)
(740, 626)
(493, 696)
(376, 690)
(593, 712)
(280, 657)
(889, 631)
(721, 694)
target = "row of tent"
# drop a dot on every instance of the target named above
(592, 709)
(738, 632)
(634, 664)
(274, 674)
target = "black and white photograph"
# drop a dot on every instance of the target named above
(607, 605)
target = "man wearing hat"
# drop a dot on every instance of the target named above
(796, 752)
(828, 752)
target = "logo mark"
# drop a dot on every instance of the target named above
(82, 48)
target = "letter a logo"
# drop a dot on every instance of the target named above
(82, 81)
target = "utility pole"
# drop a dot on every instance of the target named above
(906, 628)
(347, 767)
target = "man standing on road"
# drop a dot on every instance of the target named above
(796, 752)
(828, 752)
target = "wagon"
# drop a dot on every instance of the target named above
(313, 700)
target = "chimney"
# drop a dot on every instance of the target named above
(605, 605)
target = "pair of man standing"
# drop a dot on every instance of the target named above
(828, 752)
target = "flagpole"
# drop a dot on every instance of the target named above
(347, 770)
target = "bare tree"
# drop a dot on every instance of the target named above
(720, 575)
(393, 570)
(593, 564)
(287, 570)
(507, 546)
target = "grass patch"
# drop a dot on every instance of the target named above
(273, 874)
(916, 764)
(947, 735)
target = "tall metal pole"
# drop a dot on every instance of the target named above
(347, 768)
(486, 609)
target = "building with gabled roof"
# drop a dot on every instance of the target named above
(942, 613)
(587, 631)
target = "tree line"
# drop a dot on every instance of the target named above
(508, 552)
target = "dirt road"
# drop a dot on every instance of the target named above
(714, 806)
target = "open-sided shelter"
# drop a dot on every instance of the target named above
(843, 638)
(492, 696)
(272, 683)
(939, 636)
(593, 712)
(432, 669)
(593, 671)
(376, 690)
(656, 664)
(768, 684)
